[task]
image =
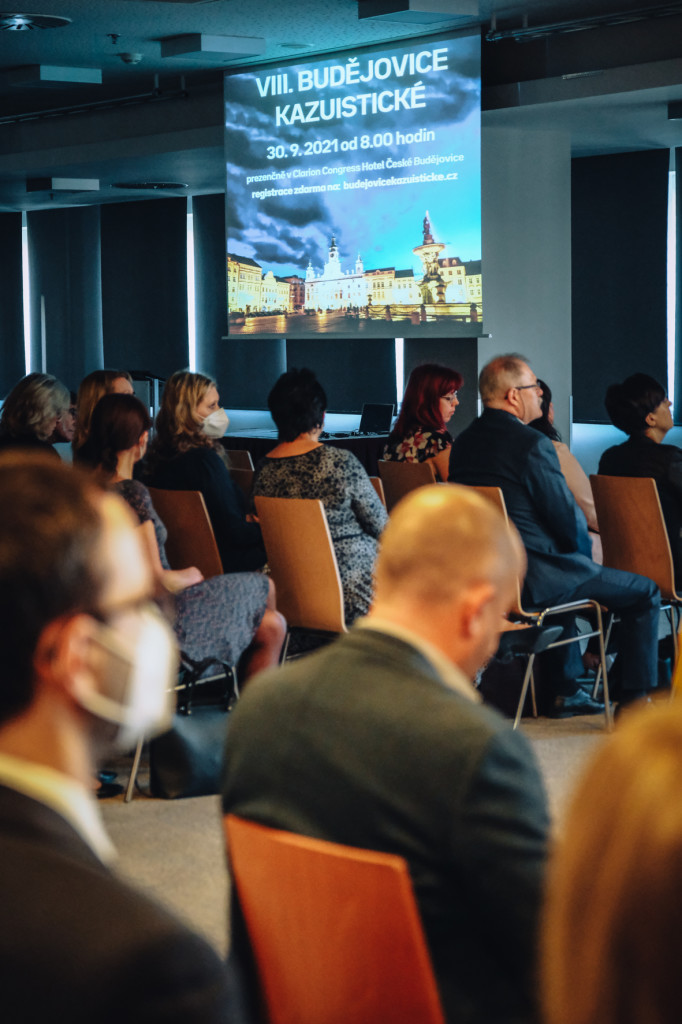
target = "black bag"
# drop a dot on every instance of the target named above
(188, 759)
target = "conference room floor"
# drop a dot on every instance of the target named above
(173, 849)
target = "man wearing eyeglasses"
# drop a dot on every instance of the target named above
(85, 664)
(500, 450)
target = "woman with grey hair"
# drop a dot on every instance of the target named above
(31, 410)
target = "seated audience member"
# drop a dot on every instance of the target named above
(302, 467)
(499, 450)
(92, 388)
(379, 741)
(420, 431)
(31, 411)
(185, 457)
(86, 663)
(639, 407)
(574, 474)
(223, 617)
(611, 923)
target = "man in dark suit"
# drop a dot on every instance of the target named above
(379, 741)
(500, 450)
(85, 661)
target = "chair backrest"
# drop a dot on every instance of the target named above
(399, 478)
(191, 540)
(302, 562)
(379, 488)
(238, 458)
(244, 480)
(335, 931)
(632, 528)
(495, 495)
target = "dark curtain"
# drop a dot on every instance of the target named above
(144, 285)
(619, 258)
(678, 286)
(210, 283)
(66, 308)
(248, 368)
(12, 365)
(351, 371)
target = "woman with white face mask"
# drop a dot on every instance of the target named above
(185, 456)
(224, 617)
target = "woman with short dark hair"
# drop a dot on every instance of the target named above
(302, 467)
(420, 430)
(639, 407)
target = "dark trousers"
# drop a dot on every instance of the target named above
(636, 601)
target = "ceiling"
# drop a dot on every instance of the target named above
(607, 87)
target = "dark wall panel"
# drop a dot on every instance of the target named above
(210, 283)
(144, 285)
(247, 370)
(351, 371)
(619, 231)
(11, 309)
(66, 309)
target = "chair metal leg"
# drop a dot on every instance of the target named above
(524, 691)
(133, 772)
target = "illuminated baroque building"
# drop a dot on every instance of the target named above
(333, 289)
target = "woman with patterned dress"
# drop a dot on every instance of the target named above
(224, 617)
(301, 467)
(420, 431)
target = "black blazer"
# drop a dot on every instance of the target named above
(77, 944)
(498, 450)
(362, 744)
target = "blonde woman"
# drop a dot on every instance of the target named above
(31, 411)
(92, 388)
(184, 456)
(611, 929)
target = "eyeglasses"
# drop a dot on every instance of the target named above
(451, 398)
(524, 387)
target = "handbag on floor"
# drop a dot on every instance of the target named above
(188, 759)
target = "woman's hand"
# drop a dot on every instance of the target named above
(176, 580)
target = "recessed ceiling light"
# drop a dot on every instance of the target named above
(26, 22)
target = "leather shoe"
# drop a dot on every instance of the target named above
(579, 703)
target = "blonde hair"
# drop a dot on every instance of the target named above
(32, 405)
(442, 538)
(92, 388)
(177, 425)
(611, 922)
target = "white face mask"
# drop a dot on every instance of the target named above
(136, 670)
(216, 423)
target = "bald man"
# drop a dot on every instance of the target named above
(379, 741)
(499, 449)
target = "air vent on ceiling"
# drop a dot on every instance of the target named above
(27, 22)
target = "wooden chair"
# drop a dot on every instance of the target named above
(191, 540)
(238, 458)
(244, 480)
(335, 931)
(538, 617)
(303, 564)
(634, 535)
(379, 488)
(399, 478)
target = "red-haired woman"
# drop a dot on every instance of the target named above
(420, 431)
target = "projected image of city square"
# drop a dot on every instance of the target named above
(341, 297)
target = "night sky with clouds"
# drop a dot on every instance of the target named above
(284, 232)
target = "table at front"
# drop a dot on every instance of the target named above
(367, 447)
